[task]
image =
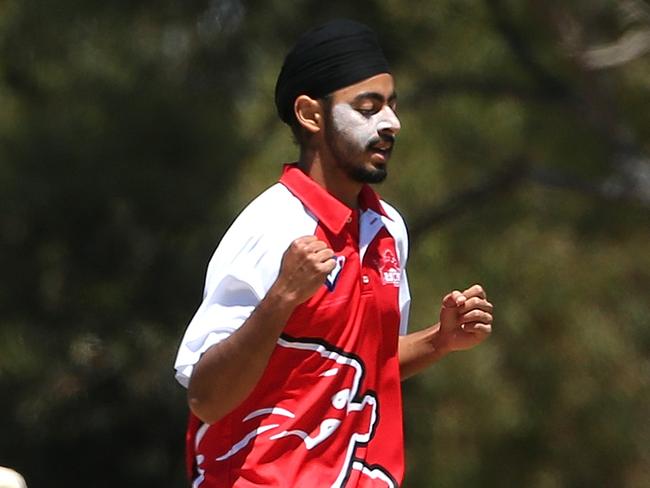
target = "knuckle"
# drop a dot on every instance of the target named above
(302, 241)
(324, 270)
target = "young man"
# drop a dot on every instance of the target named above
(294, 359)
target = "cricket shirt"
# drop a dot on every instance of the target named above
(327, 411)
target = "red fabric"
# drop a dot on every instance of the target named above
(193, 424)
(333, 377)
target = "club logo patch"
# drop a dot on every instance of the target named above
(333, 277)
(389, 269)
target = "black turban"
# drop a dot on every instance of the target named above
(325, 59)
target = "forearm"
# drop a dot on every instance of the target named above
(465, 322)
(418, 350)
(228, 371)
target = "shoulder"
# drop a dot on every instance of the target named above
(397, 228)
(393, 213)
(273, 206)
(261, 233)
(275, 212)
(395, 222)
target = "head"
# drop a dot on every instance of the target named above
(360, 128)
(336, 93)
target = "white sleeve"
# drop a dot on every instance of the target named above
(397, 229)
(233, 288)
(241, 271)
(404, 303)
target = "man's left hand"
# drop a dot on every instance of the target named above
(465, 319)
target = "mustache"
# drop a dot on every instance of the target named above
(381, 138)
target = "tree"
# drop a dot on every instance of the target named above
(130, 135)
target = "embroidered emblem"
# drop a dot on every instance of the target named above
(333, 277)
(389, 269)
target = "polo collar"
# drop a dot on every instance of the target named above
(333, 213)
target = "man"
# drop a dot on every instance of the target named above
(294, 359)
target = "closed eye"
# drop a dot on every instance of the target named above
(367, 112)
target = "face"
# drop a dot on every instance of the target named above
(361, 126)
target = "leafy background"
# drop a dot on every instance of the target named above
(131, 133)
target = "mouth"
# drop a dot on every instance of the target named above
(382, 148)
(381, 152)
(380, 155)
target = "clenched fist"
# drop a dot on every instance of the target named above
(305, 264)
(465, 319)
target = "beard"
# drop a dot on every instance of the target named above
(366, 174)
(354, 162)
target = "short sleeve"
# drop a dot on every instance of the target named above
(397, 228)
(230, 297)
(404, 303)
(241, 271)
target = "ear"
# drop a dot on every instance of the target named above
(309, 113)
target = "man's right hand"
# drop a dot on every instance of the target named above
(305, 264)
(229, 370)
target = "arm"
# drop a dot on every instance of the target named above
(227, 372)
(465, 322)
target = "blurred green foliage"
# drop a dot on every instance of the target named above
(131, 133)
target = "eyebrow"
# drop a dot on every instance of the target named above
(375, 96)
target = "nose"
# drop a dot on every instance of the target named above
(389, 122)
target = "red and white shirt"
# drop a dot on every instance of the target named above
(328, 409)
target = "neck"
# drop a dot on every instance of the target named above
(330, 176)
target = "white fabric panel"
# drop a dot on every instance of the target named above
(396, 227)
(242, 270)
(247, 261)
(370, 224)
